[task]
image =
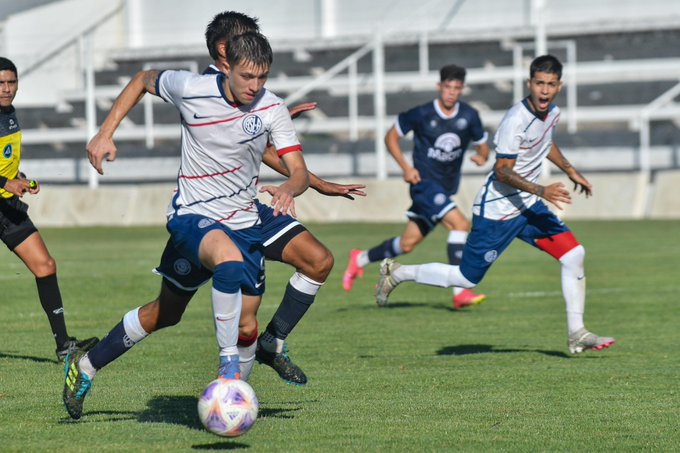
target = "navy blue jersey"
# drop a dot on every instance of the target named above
(440, 141)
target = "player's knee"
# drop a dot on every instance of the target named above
(574, 257)
(247, 329)
(45, 267)
(318, 265)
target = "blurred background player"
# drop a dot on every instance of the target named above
(214, 223)
(442, 130)
(16, 228)
(509, 206)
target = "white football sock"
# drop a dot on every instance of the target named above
(574, 287)
(226, 314)
(246, 360)
(433, 274)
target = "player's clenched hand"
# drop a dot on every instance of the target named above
(282, 199)
(556, 193)
(297, 110)
(332, 189)
(18, 186)
(412, 176)
(98, 148)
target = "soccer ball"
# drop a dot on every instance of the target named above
(228, 407)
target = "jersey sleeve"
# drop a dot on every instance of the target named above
(407, 121)
(508, 138)
(282, 133)
(170, 85)
(477, 132)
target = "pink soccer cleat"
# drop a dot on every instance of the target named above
(467, 298)
(353, 271)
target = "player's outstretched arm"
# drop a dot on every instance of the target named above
(298, 181)
(101, 145)
(331, 189)
(556, 157)
(411, 175)
(554, 193)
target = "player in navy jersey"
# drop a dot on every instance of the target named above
(442, 131)
(16, 228)
(509, 206)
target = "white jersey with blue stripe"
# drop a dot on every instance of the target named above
(222, 146)
(525, 137)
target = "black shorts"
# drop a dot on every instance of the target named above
(15, 225)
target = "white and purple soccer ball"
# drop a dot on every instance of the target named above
(228, 407)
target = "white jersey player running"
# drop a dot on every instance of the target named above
(226, 123)
(509, 206)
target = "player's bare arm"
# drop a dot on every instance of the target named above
(554, 193)
(331, 189)
(17, 186)
(411, 175)
(298, 181)
(481, 155)
(101, 145)
(556, 157)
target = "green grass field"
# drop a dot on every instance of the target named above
(414, 376)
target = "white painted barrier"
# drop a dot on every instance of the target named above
(616, 196)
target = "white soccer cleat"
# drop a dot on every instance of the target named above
(386, 284)
(583, 340)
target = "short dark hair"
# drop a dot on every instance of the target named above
(226, 25)
(250, 47)
(452, 72)
(7, 65)
(546, 63)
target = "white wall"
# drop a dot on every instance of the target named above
(617, 196)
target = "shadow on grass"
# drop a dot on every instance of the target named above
(466, 349)
(4, 355)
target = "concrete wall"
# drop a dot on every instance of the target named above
(616, 196)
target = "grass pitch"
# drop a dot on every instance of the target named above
(414, 376)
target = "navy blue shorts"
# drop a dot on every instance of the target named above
(489, 238)
(277, 231)
(180, 264)
(430, 204)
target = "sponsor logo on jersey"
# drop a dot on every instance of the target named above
(490, 256)
(182, 266)
(433, 124)
(252, 124)
(461, 123)
(446, 148)
(7, 151)
(12, 124)
(205, 223)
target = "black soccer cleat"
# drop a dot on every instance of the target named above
(73, 345)
(76, 385)
(282, 364)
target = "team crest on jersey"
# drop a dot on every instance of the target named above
(490, 256)
(7, 151)
(252, 124)
(182, 266)
(461, 123)
(439, 199)
(205, 223)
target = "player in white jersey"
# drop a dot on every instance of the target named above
(227, 121)
(509, 206)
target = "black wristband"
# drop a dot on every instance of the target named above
(3, 180)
